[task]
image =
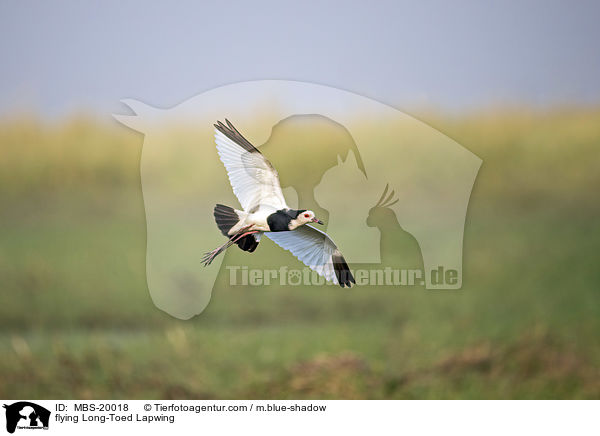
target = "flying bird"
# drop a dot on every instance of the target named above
(255, 183)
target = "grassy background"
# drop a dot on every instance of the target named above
(76, 319)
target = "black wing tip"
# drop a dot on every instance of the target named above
(342, 271)
(232, 133)
(349, 281)
(248, 243)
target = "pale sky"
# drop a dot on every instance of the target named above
(63, 56)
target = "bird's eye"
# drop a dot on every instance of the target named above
(306, 215)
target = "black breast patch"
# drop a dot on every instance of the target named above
(280, 221)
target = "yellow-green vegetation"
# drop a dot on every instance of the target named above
(76, 319)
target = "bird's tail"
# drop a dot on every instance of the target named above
(227, 218)
(230, 222)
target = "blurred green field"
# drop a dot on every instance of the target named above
(76, 319)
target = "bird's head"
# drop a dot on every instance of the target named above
(304, 217)
(308, 216)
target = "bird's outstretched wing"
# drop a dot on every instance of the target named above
(254, 180)
(317, 251)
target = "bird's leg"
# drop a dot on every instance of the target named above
(210, 256)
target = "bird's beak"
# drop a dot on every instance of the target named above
(314, 220)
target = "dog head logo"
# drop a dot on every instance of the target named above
(26, 415)
(365, 147)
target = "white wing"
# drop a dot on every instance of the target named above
(254, 180)
(317, 251)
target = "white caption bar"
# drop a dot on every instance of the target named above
(299, 417)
